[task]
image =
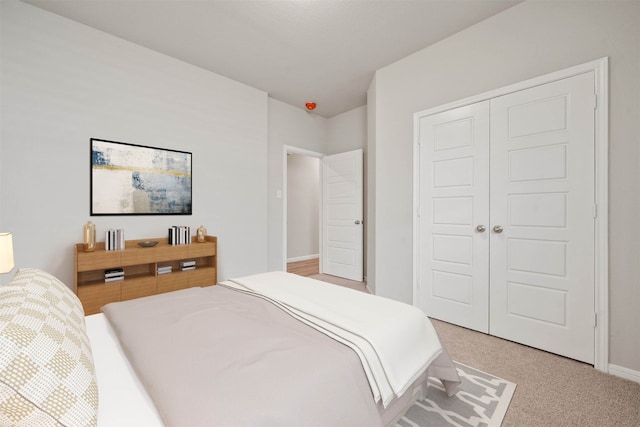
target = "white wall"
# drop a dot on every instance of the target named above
(347, 131)
(528, 40)
(303, 207)
(63, 83)
(288, 126)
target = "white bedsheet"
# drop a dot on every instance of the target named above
(123, 401)
(395, 342)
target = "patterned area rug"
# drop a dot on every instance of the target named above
(482, 400)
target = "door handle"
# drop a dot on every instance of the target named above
(497, 229)
(480, 228)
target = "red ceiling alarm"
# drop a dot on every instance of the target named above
(310, 106)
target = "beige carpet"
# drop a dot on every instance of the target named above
(552, 390)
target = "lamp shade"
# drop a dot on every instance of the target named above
(6, 252)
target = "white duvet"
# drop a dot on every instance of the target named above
(396, 342)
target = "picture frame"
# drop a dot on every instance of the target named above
(130, 179)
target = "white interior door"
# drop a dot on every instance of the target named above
(542, 197)
(342, 222)
(453, 277)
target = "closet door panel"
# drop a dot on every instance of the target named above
(453, 190)
(542, 196)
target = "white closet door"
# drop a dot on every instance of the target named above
(453, 276)
(542, 195)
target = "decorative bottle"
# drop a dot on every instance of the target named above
(200, 234)
(89, 237)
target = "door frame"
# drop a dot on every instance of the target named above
(600, 67)
(289, 149)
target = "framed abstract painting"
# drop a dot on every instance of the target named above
(128, 179)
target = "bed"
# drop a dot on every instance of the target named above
(234, 355)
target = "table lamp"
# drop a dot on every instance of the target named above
(6, 253)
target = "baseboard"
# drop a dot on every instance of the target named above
(303, 258)
(626, 373)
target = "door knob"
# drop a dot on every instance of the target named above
(497, 229)
(357, 222)
(480, 228)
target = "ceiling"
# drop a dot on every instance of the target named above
(325, 51)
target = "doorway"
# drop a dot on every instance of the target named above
(340, 211)
(303, 214)
(302, 211)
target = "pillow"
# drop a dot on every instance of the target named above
(47, 376)
(39, 282)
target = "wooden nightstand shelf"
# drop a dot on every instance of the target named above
(140, 267)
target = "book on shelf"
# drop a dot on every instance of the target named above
(187, 264)
(109, 276)
(113, 279)
(114, 240)
(164, 269)
(114, 272)
(179, 235)
(193, 267)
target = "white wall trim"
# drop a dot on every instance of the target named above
(626, 373)
(601, 68)
(286, 149)
(601, 305)
(303, 258)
